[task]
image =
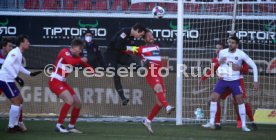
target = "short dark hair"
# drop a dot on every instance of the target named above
(221, 44)
(235, 38)
(4, 42)
(146, 31)
(77, 42)
(140, 27)
(21, 39)
(88, 32)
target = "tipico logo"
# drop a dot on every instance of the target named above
(267, 35)
(72, 32)
(170, 34)
(5, 29)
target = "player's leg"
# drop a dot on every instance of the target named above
(154, 111)
(237, 92)
(12, 93)
(248, 107)
(215, 96)
(68, 101)
(75, 112)
(112, 60)
(60, 89)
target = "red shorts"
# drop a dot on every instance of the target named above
(58, 87)
(152, 80)
(228, 92)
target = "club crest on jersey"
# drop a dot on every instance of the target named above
(236, 58)
(123, 35)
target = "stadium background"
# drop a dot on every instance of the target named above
(45, 22)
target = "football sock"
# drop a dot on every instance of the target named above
(74, 116)
(154, 111)
(21, 114)
(213, 111)
(63, 113)
(14, 115)
(162, 99)
(218, 114)
(249, 112)
(242, 114)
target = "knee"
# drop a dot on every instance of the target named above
(214, 97)
(69, 101)
(239, 100)
(158, 88)
(77, 104)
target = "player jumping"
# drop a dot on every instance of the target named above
(150, 52)
(58, 85)
(244, 70)
(116, 55)
(229, 59)
(9, 71)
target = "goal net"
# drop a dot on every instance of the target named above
(207, 23)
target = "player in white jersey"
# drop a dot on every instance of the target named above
(230, 61)
(9, 71)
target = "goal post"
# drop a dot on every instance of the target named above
(222, 19)
(179, 62)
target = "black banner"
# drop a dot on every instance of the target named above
(200, 35)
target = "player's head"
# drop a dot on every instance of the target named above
(233, 42)
(77, 46)
(138, 30)
(88, 36)
(6, 45)
(23, 42)
(148, 37)
(219, 46)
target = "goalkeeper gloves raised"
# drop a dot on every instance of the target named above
(133, 49)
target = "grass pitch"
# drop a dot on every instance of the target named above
(44, 130)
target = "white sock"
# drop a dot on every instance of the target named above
(14, 115)
(213, 111)
(58, 125)
(242, 114)
(71, 126)
(17, 121)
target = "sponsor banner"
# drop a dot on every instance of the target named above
(99, 98)
(198, 33)
(265, 116)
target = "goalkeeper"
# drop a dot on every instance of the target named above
(115, 53)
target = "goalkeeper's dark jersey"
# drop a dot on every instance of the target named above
(120, 40)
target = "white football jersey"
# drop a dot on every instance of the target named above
(12, 65)
(237, 57)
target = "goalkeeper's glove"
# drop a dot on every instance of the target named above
(133, 49)
(35, 73)
(19, 81)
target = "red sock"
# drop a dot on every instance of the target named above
(154, 111)
(218, 114)
(249, 112)
(20, 116)
(74, 115)
(162, 99)
(63, 113)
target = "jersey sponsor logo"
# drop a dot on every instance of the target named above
(123, 35)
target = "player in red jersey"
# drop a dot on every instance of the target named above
(150, 53)
(244, 70)
(58, 85)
